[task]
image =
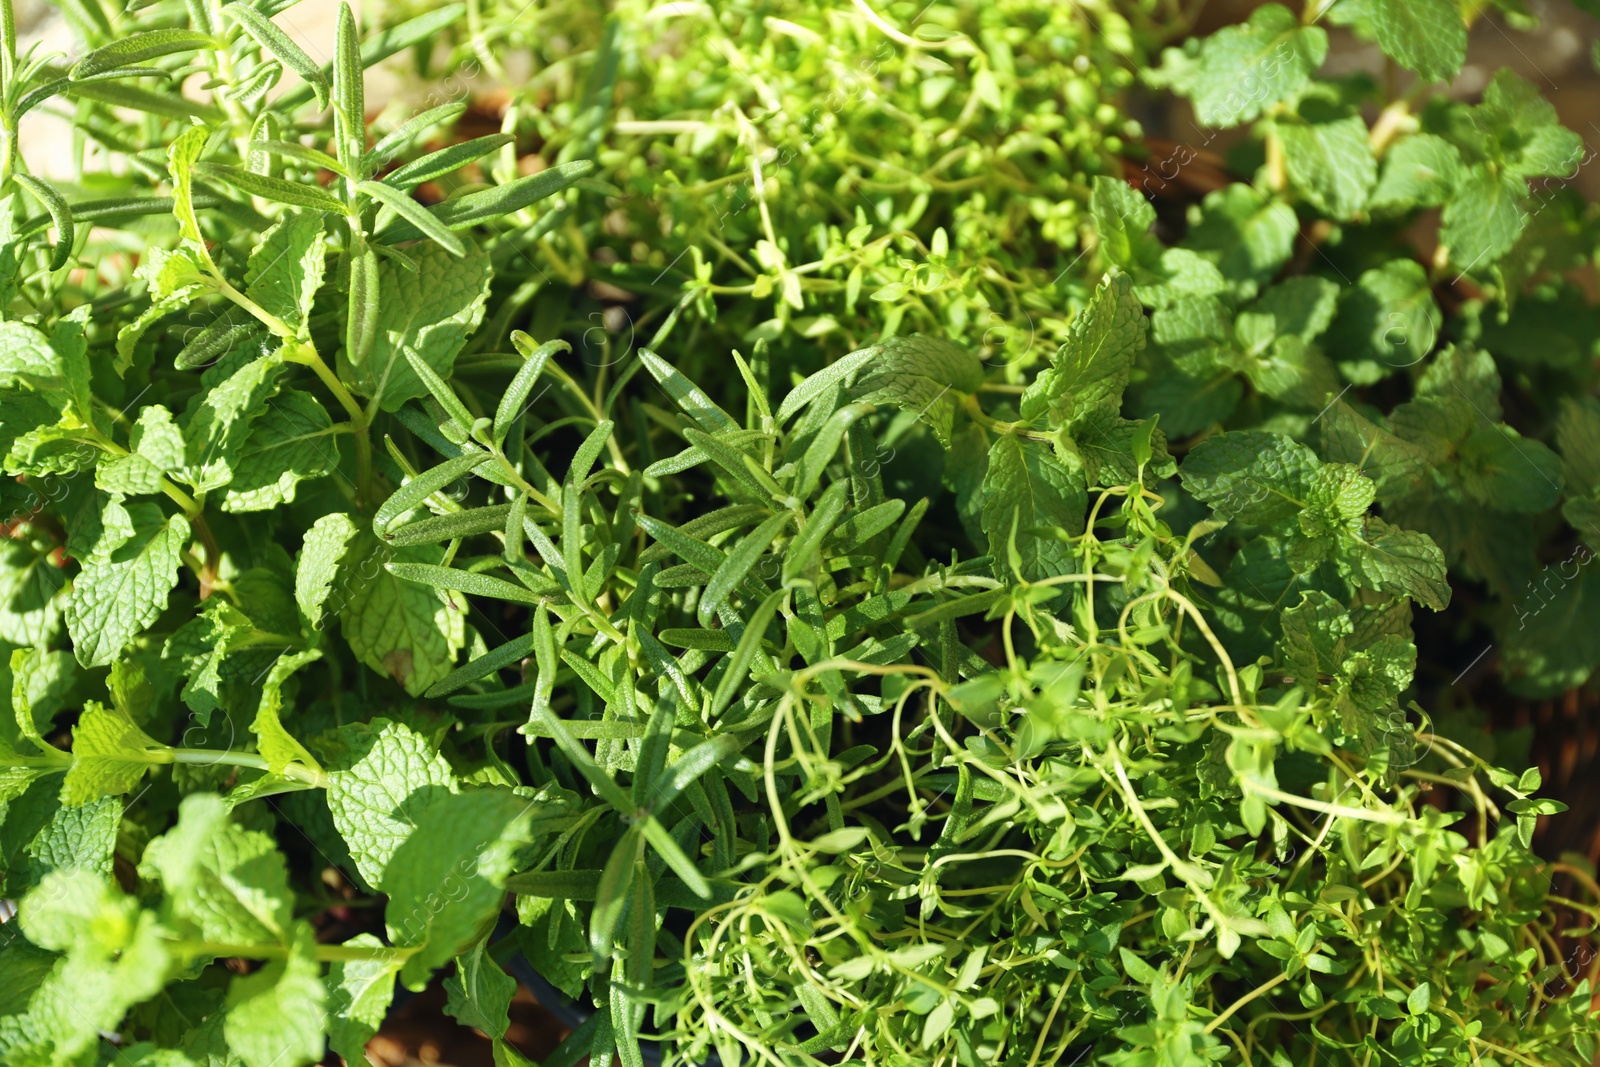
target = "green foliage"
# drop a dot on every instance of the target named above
(809, 678)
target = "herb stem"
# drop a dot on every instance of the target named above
(208, 756)
(1261, 990)
(306, 354)
(324, 953)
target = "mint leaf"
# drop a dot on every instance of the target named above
(276, 745)
(1245, 70)
(923, 375)
(292, 442)
(32, 595)
(388, 775)
(463, 848)
(1425, 36)
(275, 1017)
(1421, 170)
(1392, 560)
(217, 422)
(479, 993)
(358, 996)
(1028, 494)
(1249, 476)
(428, 312)
(123, 586)
(402, 630)
(1249, 237)
(228, 884)
(1329, 160)
(286, 266)
(325, 546)
(1091, 369)
(1122, 218)
(1504, 470)
(1484, 218)
(110, 755)
(1387, 321)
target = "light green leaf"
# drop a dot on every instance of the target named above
(389, 775)
(229, 884)
(286, 267)
(124, 583)
(1245, 70)
(429, 313)
(274, 742)
(294, 441)
(462, 850)
(275, 1017)
(1028, 494)
(1426, 36)
(1255, 477)
(358, 996)
(1421, 170)
(1330, 162)
(1122, 218)
(1091, 369)
(400, 629)
(1392, 560)
(479, 993)
(32, 594)
(217, 423)
(325, 545)
(1483, 219)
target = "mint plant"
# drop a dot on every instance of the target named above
(901, 707)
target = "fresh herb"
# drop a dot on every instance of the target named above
(808, 681)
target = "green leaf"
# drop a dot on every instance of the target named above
(275, 1017)
(1245, 70)
(31, 595)
(470, 209)
(1329, 161)
(60, 214)
(140, 47)
(124, 583)
(479, 993)
(110, 755)
(1091, 369)
(438, 164)
(349, 90)
(275, 743)
(414, 213)
(1028, 494)
(1387, 321)
(1250, 476)
(689, 397)
(325, 546)
(217, 423)
(388, 776)
(286, 266)
(358, 996)
(403, 631)
(1249, 237)
(294, 441)
(463, 849)
(1123, 218)
(1421, 170)
(426, 315)
(1425, 36)
(281, 46)
(1392, 560)
(295, 194)
(1502, 469)
(1483, 219)
(923, 375)
(223, 882)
